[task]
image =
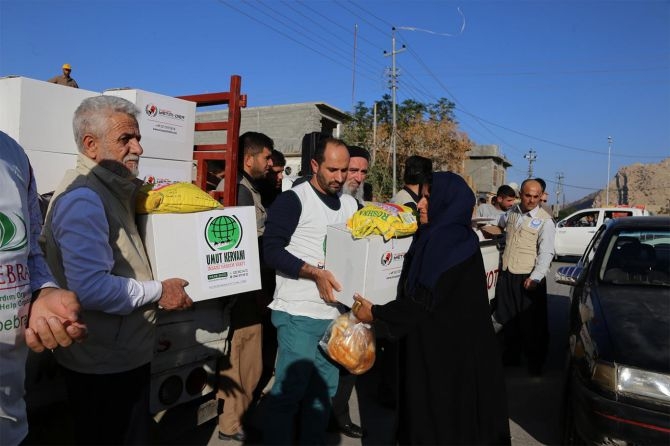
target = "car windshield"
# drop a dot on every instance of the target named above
(640, 257)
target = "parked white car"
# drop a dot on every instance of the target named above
(574, 232)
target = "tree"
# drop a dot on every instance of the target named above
(428, 130)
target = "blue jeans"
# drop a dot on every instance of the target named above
(305, 379)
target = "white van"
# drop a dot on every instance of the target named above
(574, 232)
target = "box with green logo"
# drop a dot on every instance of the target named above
(369, 266)
(215, 251)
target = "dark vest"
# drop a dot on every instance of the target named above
(115, 343)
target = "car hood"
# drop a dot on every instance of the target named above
(636, 329)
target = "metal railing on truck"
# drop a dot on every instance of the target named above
(226, 152)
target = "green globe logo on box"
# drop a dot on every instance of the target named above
(223, 233)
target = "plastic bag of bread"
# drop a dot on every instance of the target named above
(385, 219)
(168, 197)
(350, 343)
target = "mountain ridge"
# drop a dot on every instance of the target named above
(637, 184)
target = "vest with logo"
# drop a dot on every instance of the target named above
(300, 297)
(521, 243)
(15, 289)
(115, 343)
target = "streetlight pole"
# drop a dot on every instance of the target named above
(393, 92)
(607, 185)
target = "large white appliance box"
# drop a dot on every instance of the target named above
(173, 170)
(215, 251)
(368, 266)
(49, 168)
(166, 123)
(38, 114)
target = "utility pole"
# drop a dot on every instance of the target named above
(374, 132)
(394, 87)
(531, 157)
(559, 191)
(607, 185)
(353, 70)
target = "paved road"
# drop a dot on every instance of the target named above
(534, 403)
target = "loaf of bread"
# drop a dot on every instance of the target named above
(351, 344)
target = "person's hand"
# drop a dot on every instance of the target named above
(326, 283)
(54, 320)
(174, 297)
(362, 309)
(324, 279)
(529, 284)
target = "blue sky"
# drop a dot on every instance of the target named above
(557, 77)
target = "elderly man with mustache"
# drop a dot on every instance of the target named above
(93, 248)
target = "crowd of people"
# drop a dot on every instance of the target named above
(91, 266)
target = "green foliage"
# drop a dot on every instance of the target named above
(428, 130)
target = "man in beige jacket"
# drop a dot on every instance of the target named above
(521, 291)
(93, 248)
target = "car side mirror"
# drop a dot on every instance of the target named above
(560, 224)
(568, 275)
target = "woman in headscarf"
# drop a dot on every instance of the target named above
(452, 387)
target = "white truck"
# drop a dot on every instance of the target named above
(574, 232)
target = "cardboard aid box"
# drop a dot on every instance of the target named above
(38, 114)
(215, 251)
(166, 123)
(369, 266)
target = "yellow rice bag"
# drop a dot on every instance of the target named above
(385, 219)
(173, 198)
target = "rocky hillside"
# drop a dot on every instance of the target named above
(637, 184)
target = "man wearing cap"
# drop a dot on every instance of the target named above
(65, 78)
(359, 160)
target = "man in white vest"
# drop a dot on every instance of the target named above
(521, 291)
(304, 304)
(34, 313)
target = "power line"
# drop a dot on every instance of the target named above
(565, 146)
(338, 62)
(417, 88)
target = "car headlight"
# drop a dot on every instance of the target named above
(641, 382)
(631, 381)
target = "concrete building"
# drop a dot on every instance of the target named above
(285, 124)
(486, 165)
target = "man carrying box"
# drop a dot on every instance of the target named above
(304, 304)
(93, 248)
